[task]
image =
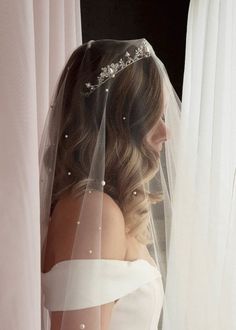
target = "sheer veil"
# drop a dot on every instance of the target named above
(108, 97)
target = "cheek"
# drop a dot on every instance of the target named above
(152, 138)
(155, 134)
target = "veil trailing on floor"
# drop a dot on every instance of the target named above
(101, 143)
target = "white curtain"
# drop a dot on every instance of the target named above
(36, 39)
(201, 274)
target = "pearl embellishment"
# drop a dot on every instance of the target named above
(135, 193)
(69, 173)
(82, 326)
(90, 251)
(103, 183)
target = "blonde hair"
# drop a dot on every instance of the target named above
(129, 162)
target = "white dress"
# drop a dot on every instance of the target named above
(82, 283)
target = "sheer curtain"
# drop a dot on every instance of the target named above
(36, 39)
(201, 268)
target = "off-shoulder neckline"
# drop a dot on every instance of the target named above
(104, 260)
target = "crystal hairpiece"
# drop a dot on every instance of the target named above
(112, 69)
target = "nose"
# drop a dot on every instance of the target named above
(157, 135)
(165, 133)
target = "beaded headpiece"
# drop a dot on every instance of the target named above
(112, 69)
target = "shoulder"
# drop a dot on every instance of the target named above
(96, 200)
(95, 210)
(112, 210)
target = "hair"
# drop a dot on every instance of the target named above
(136, 92)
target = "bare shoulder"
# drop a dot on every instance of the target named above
(113, 224)
(70, 205)
(111, 208)
(93, 211)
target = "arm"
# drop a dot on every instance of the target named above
(113, 246)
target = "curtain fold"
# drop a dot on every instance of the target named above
(201, 268)
(36, 39)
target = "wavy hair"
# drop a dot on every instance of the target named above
(129, 162)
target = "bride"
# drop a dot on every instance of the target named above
(100, 163)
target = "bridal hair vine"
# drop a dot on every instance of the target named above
(112, 69)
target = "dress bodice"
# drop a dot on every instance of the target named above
(82, 283)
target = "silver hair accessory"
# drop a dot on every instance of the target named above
(112, 69)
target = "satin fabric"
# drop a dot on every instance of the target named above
(137, 284)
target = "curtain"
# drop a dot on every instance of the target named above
(201, 267)
(36, 39)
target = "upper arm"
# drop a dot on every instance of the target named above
(109, 235)
(113, 240)
(101, 225)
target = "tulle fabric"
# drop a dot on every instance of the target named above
(69, 114)
(201, 280)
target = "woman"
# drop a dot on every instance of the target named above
(100, 154)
